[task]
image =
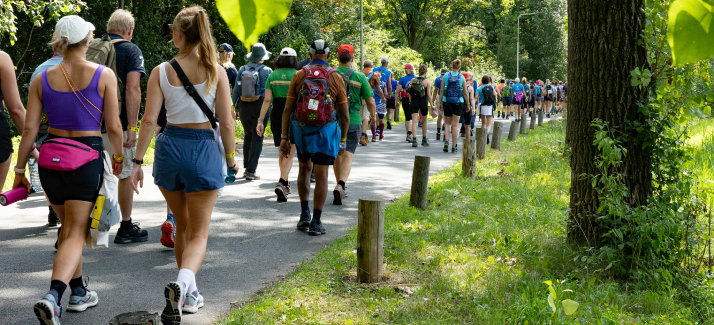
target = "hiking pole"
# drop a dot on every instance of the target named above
(361, 32)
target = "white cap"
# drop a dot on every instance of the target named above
(74, 28)
(288, 52)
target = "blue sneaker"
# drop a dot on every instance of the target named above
(168, 231)
(48, 312)
(79, 304)
(174, 292)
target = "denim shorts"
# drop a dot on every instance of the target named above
(187, 160)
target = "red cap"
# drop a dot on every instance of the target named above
(409, 66)
(346, 49)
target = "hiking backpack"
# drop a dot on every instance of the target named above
(548, 90)
(250, 83)
(314, 105)
(101, 51)
(384, 75)
(346, 78)
(416, 88)
(537, 88)
(506, 92)
(488, 98)
(454, 92)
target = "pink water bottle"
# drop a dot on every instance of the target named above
(14, 195)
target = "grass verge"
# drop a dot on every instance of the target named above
(481, 253)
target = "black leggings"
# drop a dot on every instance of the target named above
(407, 109)
(81, 184)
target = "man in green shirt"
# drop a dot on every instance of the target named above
(359, 89)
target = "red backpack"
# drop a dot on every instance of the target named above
(314, 105)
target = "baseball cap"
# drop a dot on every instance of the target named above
(288, 52)
(466, 75)
(319, 47)
(346, 49)
(444, 71)
(73, 28)
(225, 47)
(385, 60)
(409, 66)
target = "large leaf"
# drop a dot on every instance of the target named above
(691, 30)
(248, 19)
(569, 306)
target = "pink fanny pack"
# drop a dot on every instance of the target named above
(65, 154)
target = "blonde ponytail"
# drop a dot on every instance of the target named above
(194, 23)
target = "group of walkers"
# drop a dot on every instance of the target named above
(80, 105)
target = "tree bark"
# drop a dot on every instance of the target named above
(605, 42)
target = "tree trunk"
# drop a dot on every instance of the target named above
(605, 38)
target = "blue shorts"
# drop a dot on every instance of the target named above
(507, 101)
(187, 160)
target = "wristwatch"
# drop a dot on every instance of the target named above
(139, 162)
(283, 136)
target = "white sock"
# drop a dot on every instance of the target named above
(187, 277)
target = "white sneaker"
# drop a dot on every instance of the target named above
(191, 304)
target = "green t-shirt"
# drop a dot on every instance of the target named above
(359, 89)
(279, 82)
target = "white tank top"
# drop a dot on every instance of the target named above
(180, 106)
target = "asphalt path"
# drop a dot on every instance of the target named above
(252, 240)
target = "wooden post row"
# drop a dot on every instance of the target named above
(370, 240)
(540, 118)
(513, 131)
(481, 136)
(497, 134)
(533, 121)
(420, 182)
(468, 162)
(524, 126)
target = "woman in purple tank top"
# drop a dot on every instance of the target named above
(76, 94)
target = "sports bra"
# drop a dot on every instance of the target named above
(66, 112)
(181, 108)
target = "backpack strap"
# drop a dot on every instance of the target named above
(193, 93)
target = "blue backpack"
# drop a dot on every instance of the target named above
(537, 88)
(454, 92)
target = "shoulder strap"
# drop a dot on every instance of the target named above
(193, 93)
(119, 40)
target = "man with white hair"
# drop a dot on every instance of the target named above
(129, 70)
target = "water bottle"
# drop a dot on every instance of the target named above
(328, 100)
(14, 195)
(231, 177)
(34, 175)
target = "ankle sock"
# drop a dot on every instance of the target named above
(187, 277)
(341, 183)
(57, 289)
(304, 206)
(284, 182)
(77, 287)
(126, 225)
(316, 215)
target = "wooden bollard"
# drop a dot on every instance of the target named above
(533, 121)
(513, 131)
(524, 126)
(481, 136)
(540, 118)
(468, 163)
(496, 136)
(420, 182)
(370, 240)
(136, 318)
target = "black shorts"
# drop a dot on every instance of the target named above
(516, 102)
(317, 159)
(276, 119)
(507, 101)
(353, 134)
(453, 109)
(5, 138)
(391, 103)
(81, 184)
(407, 110)
(420, 105)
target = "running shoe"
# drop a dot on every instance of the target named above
(409, 138)
(174, 294)
(168, 231)
(389, 125)
(381, 136)
(420, 124)
(446, 146)
(79, 304)
(312, 177)
(252, 176)
(304, 223)
(52, 219)
(547, 115)
(316, 229)
(134, 235)
(374, 138)
(339, 194)
(414, 142)
(454, 150)
(191, 304)
(363, 140)
(48, 312)
(282, 192)
(438, 136)
(425, 142)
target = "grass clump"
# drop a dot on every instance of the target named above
(488, 250)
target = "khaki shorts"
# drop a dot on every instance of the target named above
(129, 154)
(364, 111)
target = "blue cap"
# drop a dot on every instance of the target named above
(225, 47)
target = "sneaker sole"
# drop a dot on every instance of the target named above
(83, 307)
(118, 240)
(446, 149)
(316, 233)
(252, 178)
(167, 234)
(44, 313)
(338, 197)
(282, 197)
(172, 314)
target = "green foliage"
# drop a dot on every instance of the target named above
(691, 29)
(38, 11)
(248, 19)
